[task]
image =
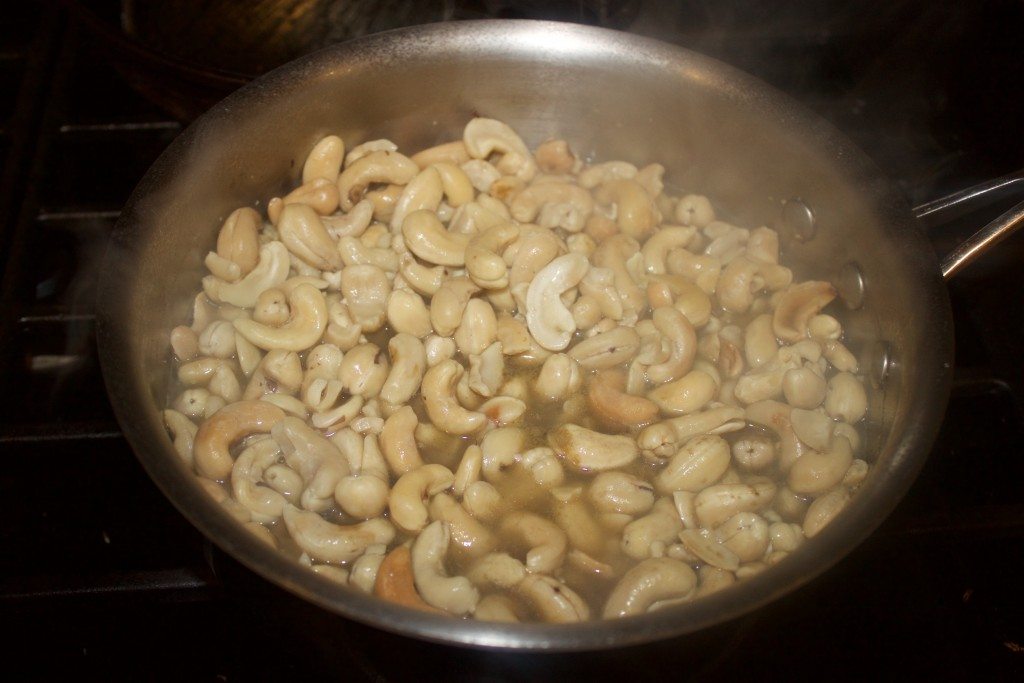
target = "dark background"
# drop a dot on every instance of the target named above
(100, 578)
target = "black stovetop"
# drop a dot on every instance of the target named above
(100, 578)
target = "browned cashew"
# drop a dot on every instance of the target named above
(227, 426)
(797, 306)
(610, 403)
(395, 581)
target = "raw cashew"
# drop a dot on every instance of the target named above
(363, 574)
(424, 192)
(588, 451)
(621, 493)
(678, 329)
(606, 349)
(352, 224)
(438, 389)
(559, 378)
(698, 464)
(324, 160)
(319, 194)
(610, 404)
(483, 256)
(797, 306)
(305, 236)
(238, 239)
(303, 330)
(455, 595)
(227, 426)
(263, 503)
(398, 443)
(471, 538)
(653, 580)
(270, 271)
(376, 167)
(407, 499)
(499, 570)
(395, 582)
(816, 472)
(656, 249)
(317, 460)
(846, 399)
(686, 395)
(328, 542)
(824, 509)
(366, 289)
(427, 237)
(483, 137)
(183, 432)
(478, 328)
(613, 253)
(407, 313)
(635, 212)
(546, 542)
(659, 526)
(363, 371)
(559, 205)
(552, 600)
(448, 304)
(408, 363)
(717, 503)
(547, 318)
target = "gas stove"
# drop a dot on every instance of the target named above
(101, 578)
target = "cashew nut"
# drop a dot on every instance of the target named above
(270, 271)
(226, 427)
(547, 318)
(546, 542)
(377, 167)
(443, 408)
(328, 542)
(552, 600)
(797, 306)
(453, 594)
(407, 499)
(317, 460)
(588, 451)
(652, 580)
(303, 330)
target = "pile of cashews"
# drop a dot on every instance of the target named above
(516, 386)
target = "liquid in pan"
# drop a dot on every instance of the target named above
(512, 385)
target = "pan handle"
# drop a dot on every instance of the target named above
(955, 205)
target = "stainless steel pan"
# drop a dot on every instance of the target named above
(718, 132)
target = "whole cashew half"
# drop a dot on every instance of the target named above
(318, 461)
(651, 581)
(546, 542)
(443, 408)
(270, 271)
(408, 363)
(328, 542)
(552, 600)
(797, 306)
(426, 236)
(484, 137)
(453, 594)
(588, 451)
(547, 318)
(263, 503)
(406, 501)
(678, 330)
(377, 167)
(227, 426)
(302, 331)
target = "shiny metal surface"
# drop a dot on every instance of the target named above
(983, 240)
(612, 95)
